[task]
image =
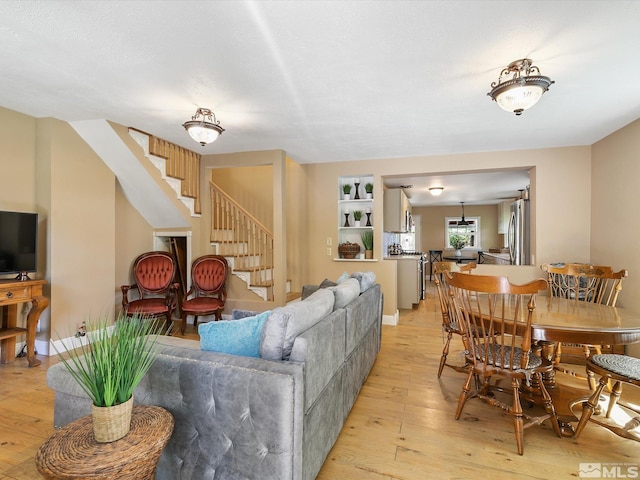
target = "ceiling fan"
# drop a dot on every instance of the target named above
(462, 222)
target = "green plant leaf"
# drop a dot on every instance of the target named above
(114, 358)
(367, 239)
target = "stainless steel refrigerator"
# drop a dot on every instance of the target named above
(518, 233)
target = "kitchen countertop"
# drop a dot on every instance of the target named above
(403, 257)
(496, 255)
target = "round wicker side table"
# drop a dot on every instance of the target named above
(72, 452)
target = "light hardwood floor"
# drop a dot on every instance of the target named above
(401, 426)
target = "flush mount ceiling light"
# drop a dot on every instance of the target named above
(203, 126)
(435, 191)
(463, 221)
(519, 86)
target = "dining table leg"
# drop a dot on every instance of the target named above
(566, 418)
(548, 352)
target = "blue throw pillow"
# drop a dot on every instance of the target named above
(237, 337)
(342, 277)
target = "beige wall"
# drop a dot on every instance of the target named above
(297, 224)
(615, 198)
(560, 176)
(432, 225)
(133, 236)
(18, 179)
(251, 187)
(79, 200)
(17, 160)
(282, 171)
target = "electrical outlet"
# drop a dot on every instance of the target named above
(329, 241)
(82, 330)
(329, 251)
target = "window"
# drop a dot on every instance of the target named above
(470, 232)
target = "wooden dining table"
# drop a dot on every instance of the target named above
(557, 320)
(567, 320)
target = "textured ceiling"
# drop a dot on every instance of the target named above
(326, 80)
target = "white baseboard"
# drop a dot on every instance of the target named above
(71, 343)
(43, 347)
(391, 319)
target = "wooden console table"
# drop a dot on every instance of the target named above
(13, 293)
(73, 453)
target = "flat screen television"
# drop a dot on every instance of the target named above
(18, 243)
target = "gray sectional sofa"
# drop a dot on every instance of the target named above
(258, 418)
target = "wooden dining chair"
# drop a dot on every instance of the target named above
(497, 317)
(450, 323)
(618, 368)
(583, 283)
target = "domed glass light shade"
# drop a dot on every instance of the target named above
(203, 127)
(519, 86)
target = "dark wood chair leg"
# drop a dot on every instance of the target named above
(168, 324)
(183, 324)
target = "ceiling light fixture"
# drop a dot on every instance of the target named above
(521, 88)
(463, 221)
(435, 191)
(203, 126)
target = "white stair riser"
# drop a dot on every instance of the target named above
(160, 163)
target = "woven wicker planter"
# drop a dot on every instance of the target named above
(348, 250)
(111, 423)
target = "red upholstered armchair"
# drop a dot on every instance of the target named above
(153, 273)
(208, 287)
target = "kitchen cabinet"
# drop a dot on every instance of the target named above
(504, 213)
(397, 211)
(409, 282)
(350, 229)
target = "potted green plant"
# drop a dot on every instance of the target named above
(458, 242)
(357, 215)
(108, 367)
(367, 241)
(346, 190)
(368, 187)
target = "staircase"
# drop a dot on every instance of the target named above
(245, 242)
(179, 167)
(235, 233)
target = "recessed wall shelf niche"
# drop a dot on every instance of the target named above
(354, 201)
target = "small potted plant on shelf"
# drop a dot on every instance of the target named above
(108, 366)
(367, 241)
(368, 187)
(357, 215)
(346, 190)
(458, 242)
